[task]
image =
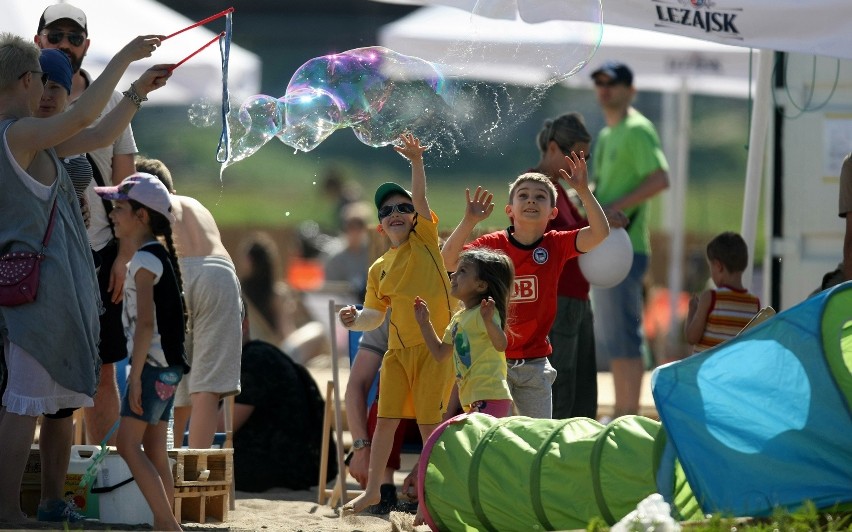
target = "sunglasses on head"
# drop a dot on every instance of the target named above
(56, 36)
(402, 208)
(43, 75)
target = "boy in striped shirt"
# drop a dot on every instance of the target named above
(719, 314)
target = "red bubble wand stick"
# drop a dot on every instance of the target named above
(201, 22)
(224, 38)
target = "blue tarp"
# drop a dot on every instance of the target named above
(760, 422)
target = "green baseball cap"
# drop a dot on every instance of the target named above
(386, 189)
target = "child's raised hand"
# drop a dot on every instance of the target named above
(578, 177)
(348, 315)
(480, 207)
(421, 311)
(486, 309)
(410, 148)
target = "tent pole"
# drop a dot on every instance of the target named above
(679, 183)
(756, 155)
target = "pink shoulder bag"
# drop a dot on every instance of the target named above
(19, 271)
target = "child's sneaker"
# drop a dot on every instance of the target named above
(55, 511)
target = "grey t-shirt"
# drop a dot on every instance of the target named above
(377, 339)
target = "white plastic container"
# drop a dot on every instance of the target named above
(82, 457)
(120, 501)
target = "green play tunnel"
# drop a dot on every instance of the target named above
(517, 473)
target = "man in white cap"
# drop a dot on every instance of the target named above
(65, 27)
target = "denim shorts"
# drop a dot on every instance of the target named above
(618, 315)
(158, 394)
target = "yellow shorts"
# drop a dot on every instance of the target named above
(413, 385)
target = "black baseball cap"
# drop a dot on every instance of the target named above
(618, 72)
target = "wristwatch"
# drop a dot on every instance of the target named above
(360, 443)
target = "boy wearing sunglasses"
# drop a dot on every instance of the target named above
(65, 27)
(414, 384)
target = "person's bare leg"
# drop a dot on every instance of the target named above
(156, 452)
(130, 433)
(182, 417)
(16, 436)
(380, 450)
(627, 376)
(55, 440)
(205, 415)
(102, 416)
(425, 432)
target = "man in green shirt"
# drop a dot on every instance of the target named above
(629, 168)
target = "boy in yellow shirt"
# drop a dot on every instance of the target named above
(414, 384)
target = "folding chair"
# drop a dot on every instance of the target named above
(333, 416)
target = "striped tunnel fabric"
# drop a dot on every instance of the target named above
(730, 311)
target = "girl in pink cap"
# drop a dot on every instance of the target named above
(154, 321)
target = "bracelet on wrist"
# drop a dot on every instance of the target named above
(134, 97)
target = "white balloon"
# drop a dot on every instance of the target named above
(609, 263)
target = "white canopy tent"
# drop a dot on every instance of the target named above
(113, 24)
(517, 53)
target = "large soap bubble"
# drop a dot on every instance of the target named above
(354, 89)
(374, 91)
(475, 77)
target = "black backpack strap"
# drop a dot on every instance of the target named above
(99, 180)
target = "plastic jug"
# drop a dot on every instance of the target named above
(86, 502)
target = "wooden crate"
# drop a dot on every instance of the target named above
(202, 467)
(197, 504)
(202, 483)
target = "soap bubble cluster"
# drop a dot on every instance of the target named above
(447, 101)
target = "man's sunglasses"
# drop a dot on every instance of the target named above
(56, 36)
(43, 75)
(402, 208)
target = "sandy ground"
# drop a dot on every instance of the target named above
(274, 510)
(298, 510)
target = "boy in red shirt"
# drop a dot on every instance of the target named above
(538, 256)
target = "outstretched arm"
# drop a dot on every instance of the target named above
(478, 209)
(29, 135)
(360, 320)
(439, 349)
(578, 178)
(108, 129)
(413, 151)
